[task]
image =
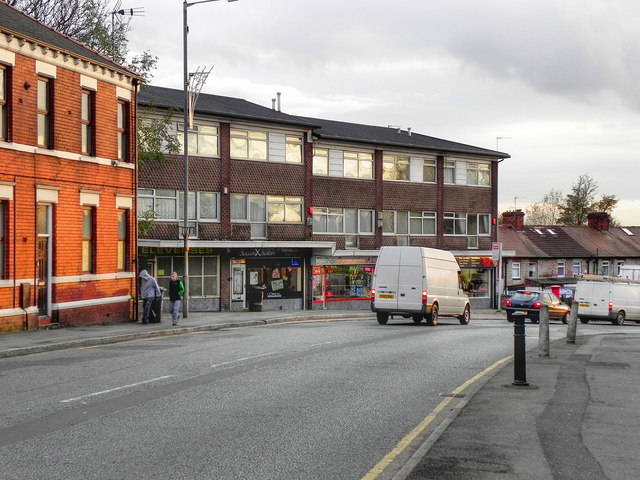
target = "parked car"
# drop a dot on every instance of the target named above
(529, 304)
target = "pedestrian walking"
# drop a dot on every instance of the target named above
(176, 290)
(149, 290)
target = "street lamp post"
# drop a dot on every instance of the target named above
(185, 31)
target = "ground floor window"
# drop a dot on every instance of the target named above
(348, 281)
(278, 278)
(476, 281)
(204, 274)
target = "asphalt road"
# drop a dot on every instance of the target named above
(288, 401)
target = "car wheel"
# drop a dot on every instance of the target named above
(466, 316)
(565, 318)
(509, 317)
(584, 320)
(382, 318)
(620, 318)
(417, 318)
(535, 320)
(433, 318)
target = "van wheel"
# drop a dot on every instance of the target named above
(382, 318)
(620, 317)
(417, 318)
(565, 318)
(466, 316)
(584, 320)
(433, 318)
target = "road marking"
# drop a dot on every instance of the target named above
(95, 394)
(376, 471)
(238, 360)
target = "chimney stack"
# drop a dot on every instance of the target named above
(514, 220)
(599, 220)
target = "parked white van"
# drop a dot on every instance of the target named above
(419, 283)
(607, 298)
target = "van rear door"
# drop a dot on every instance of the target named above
(387, 286)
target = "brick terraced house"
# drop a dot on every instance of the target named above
(293, 210)
(543, 256)
(67, 180)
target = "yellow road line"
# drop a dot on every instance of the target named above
(376, 471)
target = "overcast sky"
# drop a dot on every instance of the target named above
(555, 84)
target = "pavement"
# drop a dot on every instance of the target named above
(577, 415)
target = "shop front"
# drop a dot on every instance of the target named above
(268, 279)
(478, 274)
(342, 283)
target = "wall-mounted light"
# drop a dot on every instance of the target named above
(27, 85)
(225, 190)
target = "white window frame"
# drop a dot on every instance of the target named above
(361, 160)
(425, 218)
(576, 268)
(324, 218)
(293, 149)
(321, 161)
(256, 144)
(449, 170)
(515, 271)
(458, 223)
(606, 268)
(562, 268)
(429, 164)
(196, 137)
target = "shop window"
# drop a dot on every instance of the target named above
(204, 274)
(348, 282)
(476, 281)
(279, 279)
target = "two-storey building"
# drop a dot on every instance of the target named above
(67, 180)
(296, 208)
(557, 255)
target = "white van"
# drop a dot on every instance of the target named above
(612, 299)
(419, 283)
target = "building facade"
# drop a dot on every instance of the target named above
(67, 180)
(543, 256)
(290, 212)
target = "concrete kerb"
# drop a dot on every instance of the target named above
(170, 330)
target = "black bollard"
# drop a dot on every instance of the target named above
(519, 359)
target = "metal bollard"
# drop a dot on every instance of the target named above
(573, 323)
(519, 359)
(543, 332)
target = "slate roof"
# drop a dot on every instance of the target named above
(236, 108)
(20, 25)
(570, 242)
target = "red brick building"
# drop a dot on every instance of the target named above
(296, 208)
(67, 180)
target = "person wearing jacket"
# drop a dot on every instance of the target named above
(176, 290)
(149, 290)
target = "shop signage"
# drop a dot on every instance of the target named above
(345, 261)
(475, 262)
(258, 252)
(170, 251)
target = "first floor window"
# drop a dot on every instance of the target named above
(533, 270)
(619, 266)
(201, 140)
(454, 224)
(122, 127)
(88, 239)
(293, 149)
(3, 103)
(347, 221)
(395, 168)
(449, 171)
(123, 239)
(44, 112)
(478, 173)
(284, 209)
(248, 145)
(358, 165)
(87, 121)
(320, 161)
(605, 268)
(429, 171)
(422, 223)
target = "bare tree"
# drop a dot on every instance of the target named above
(546, 211)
